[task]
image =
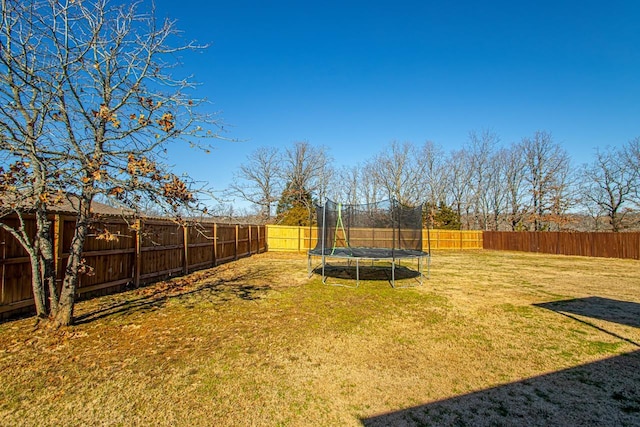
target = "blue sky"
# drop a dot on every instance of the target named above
(355, 75)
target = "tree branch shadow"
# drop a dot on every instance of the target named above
(154, 297)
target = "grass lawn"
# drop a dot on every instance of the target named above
(492, 338)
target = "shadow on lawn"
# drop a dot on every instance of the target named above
(623, 312)
(156, 296)
(367, 272)
(602, 393)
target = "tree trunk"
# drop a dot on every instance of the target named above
(63, 315)
(614, 220)
(37, 269)
(44, 248)
(31, 246)
(39, 296)
(49, 274)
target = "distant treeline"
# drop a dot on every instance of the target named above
(530, 185)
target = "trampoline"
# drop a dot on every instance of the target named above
(385, 232)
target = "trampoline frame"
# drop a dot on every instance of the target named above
(393, 255)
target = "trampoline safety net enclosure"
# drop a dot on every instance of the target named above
(385, 232)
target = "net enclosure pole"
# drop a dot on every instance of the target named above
(324, 227)
(392, 212)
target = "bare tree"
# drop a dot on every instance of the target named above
(326, 179)
(481, 147)
(459, 184)
(306, 169)
(497, 191)
(399, 171)
(347, 185)
(371, 189)
(26, 99)
(563, 196)
(258, 181)
(609, 184)
(514, 173)
(97, 72)
(434, 178)
(547, 172)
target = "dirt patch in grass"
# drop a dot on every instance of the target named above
(493, 338)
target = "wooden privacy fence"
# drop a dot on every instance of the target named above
(282, 238)
(139, 252)
(596, 244)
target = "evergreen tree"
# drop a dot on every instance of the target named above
(446, 218)
(295, 206)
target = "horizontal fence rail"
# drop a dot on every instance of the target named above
(603, 244)
(281, 238)
(136, 253)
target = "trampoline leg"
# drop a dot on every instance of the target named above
(393, 273)
(324, 279)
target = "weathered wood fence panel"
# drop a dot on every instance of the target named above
(162, 250)
(200, 250)
(130, 254)
(227, 237)
(300, 239)
(596, 244)
(112, 259)
(244, 240)
(16, 269)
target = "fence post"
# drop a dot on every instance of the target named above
(138, 255)
(215, 244)
(185, 247)
(235, 257)
(250, 246)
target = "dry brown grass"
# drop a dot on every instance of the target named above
(257, 343)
